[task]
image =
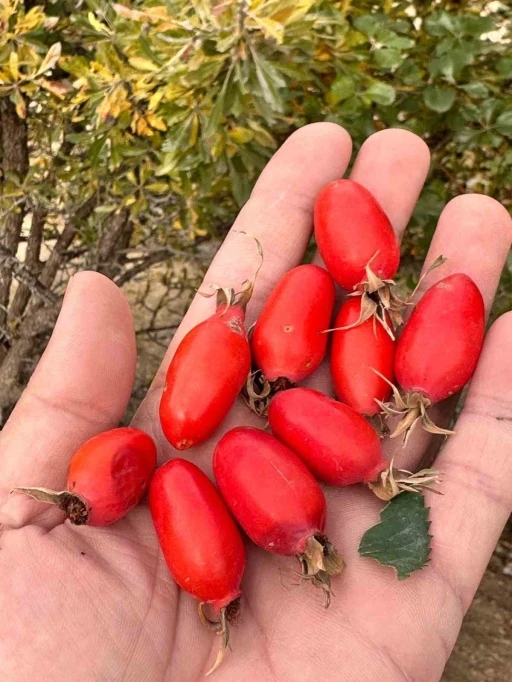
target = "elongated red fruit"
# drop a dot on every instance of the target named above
(352, 231)
(199, 539)
(439, 348)
(107, 477)
(200, 542)
(355, 353)
(287, 340)
(204, 378)
(276, 500)
(336, 443)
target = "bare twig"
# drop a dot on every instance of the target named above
(15, 163)
(32, 263)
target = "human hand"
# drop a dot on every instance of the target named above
(99, 603)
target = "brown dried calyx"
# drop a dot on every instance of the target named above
(380, 302)
(412, 408)
(74, 506)
(320, 562)
(391, 482)
(229, 614)
(258, 391)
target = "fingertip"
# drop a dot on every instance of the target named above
(480, 209)
(393, 164)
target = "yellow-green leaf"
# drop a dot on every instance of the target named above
(13, 65)
(272, 29)
(52, 57)
(19, 103)
(240, 135)
(143, 64)
(97, 25)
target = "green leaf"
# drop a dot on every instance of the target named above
(387, 58)
(451, 64)
(476, 90)
(341, 88)
(402, 538)
(95, 149)
(381, 93)
(367, 24)
(504, 67)
(439, 99)
(473, 25)
(440, 24)
(504, 123)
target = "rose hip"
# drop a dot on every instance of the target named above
(288, 342)
(200, 542)
(276, 500)
(336, 443)
(205, 376)
(352, 231)
(438, 350)
(356, 352)
(107, 477)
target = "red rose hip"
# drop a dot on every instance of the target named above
(438, 350)
(200, 541)
(205, 377)
(352, 231)
(336, 443)
(288, 342)
(357, 353)
(276, 500)
(107, 477)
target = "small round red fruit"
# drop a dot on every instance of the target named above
(276, 500)
(205, 377)
(336, 443)
(200, 541)
(353, 232)
(357, 354)
(107, 477)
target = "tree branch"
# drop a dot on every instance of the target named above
(14, 164)
(33, 252)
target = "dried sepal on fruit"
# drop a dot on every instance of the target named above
(391, 482)
(412, 410)
(320, 562)
(380, 301)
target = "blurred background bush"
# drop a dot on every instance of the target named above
(131, 133)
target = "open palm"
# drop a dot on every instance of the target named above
(99, 604)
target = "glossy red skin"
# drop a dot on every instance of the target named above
(269, 490)
(350, 229)
(336, 443)
(355, 353)
(199, 539)
(439, 347)
(287, 340)
(111, 472)
(204, 378)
